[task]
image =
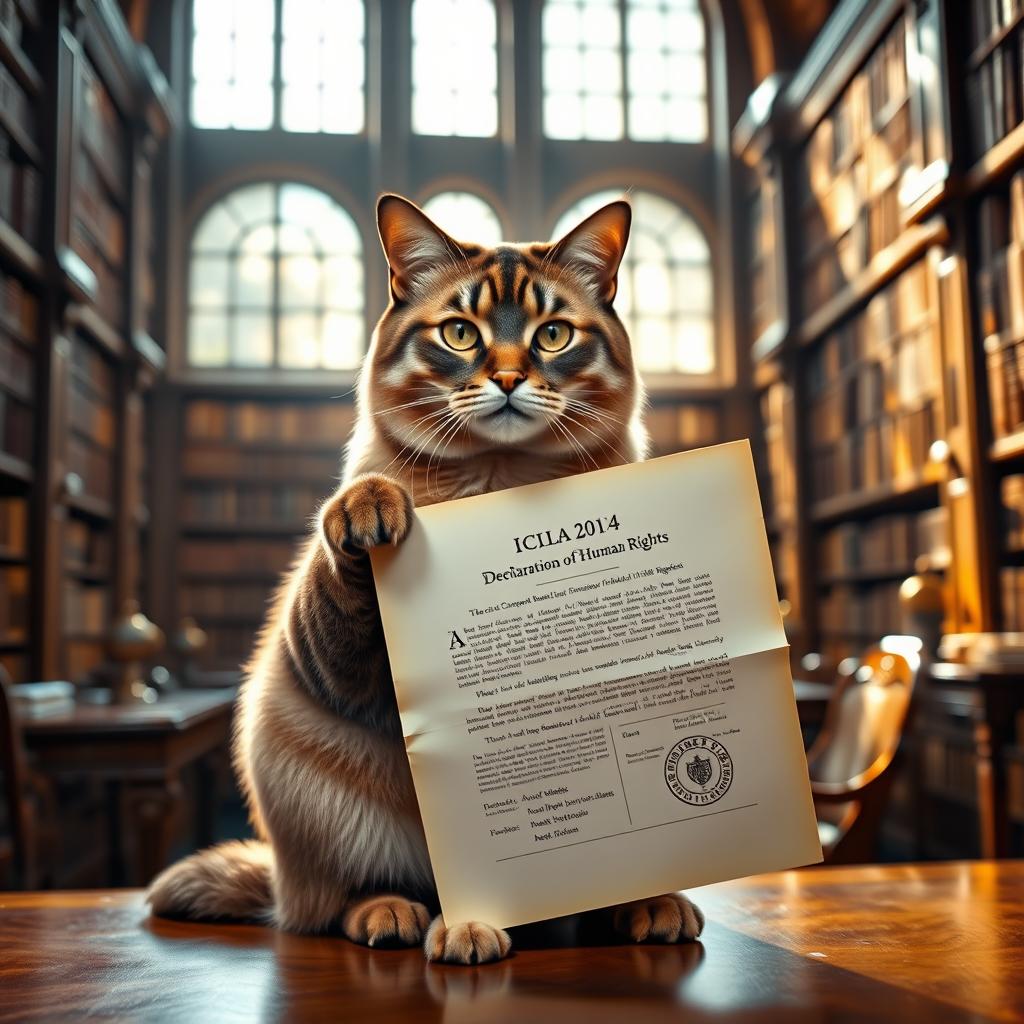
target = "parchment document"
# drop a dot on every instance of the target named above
(595, 691)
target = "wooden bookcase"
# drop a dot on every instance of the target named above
(82, 108)
(888, 266)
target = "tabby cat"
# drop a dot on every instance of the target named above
(490, 368)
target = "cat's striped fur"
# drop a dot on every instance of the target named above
(318, 746)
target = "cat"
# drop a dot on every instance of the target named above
(490, 368)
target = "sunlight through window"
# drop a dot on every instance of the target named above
(276, 279)
(454, 68)
(465, 216)
(657, 46)
(665, 294)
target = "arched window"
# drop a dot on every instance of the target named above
(454, 68)
(465, 216)
(625, 68)
(319, 87)
(665, 283)
(276, 280)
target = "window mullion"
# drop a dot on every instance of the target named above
(278, 42)
(624, 59)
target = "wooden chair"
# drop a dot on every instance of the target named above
(850, 761)
(28, 802)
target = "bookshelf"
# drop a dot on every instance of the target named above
(82, 112)
(887, 377)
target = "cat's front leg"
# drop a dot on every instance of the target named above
(469, 942)
(668, 918)
(385, 920)
(373, 509)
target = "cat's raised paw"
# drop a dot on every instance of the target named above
(371, 510)
(669, 918)
(385, 921)
(467, 943)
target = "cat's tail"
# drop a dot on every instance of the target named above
(231, 881)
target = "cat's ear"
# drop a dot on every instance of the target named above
(594, 248)
(413, 243)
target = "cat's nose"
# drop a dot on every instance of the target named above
(508, 379)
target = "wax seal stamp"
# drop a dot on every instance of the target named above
(698, 770)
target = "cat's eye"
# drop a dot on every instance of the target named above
(460, 335)
(553, 336)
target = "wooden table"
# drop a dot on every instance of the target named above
(140, 750)
(935, 943)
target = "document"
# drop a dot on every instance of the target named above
(595, 691)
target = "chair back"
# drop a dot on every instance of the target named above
(864, 721)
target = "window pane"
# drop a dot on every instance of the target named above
(232, 64)
(276, 256)
(455, 68)
(665, 290)
(665, 68)
(208, 335)
(253, 341)
(582, 69)
(465, 216)
(322, 66)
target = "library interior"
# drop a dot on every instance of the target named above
(826, 257)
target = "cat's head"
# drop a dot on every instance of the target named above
(514, 347)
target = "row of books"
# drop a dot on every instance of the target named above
(1012, 492)
(87, 546)
(1011, 580)
(861, 612)
(833, 258)
(91, 368)
(206, 601)
(251, 504)
(17, 370)
(109, 281)
(101, 221)
(15, 427)
(1000, 275)
(102, 132)
(990, 17)
(898, 311)
(86, 608)
(21, 189)
(264, 558)
(314, 423)
(675, 428)
(949, 767)
(93, 465)
(15, 103)
(19, 308)
(14, 526)
(1005, 367)
(90, 416)
(83, 656)
(14, 610)
(904, 378)
(229, 647)
(892, 544)
(317, 469)
(868, 102)
(994, 91)
(892, 451)
(779, 495)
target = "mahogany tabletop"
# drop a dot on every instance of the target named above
(936, 942)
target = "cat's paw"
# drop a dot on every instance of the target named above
(467, 943)
(669, 918)
(385, 921)
(371, 510)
